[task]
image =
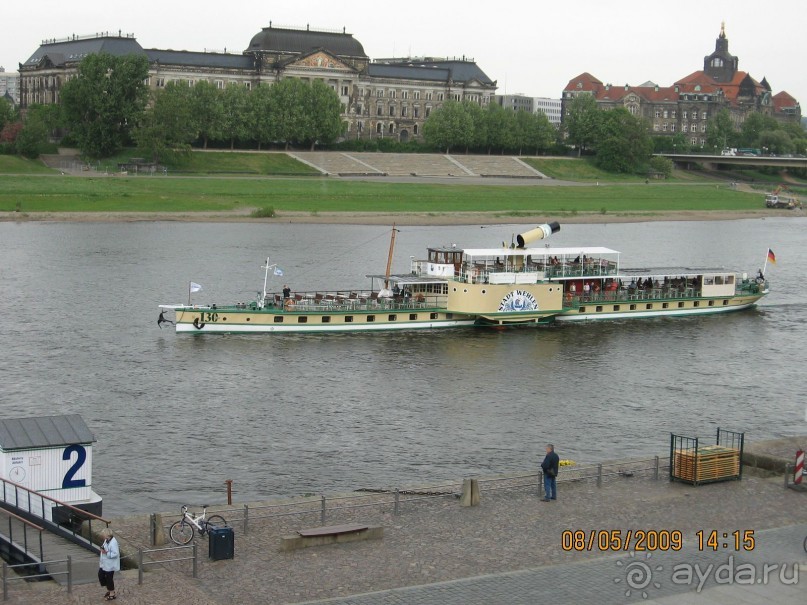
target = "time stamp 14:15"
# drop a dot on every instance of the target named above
(613, 540)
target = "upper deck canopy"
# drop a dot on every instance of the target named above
(561, 252)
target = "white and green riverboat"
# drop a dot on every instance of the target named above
(454, 287)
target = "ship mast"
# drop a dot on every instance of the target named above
(389, 258)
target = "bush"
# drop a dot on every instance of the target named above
(661, 165)
(265, 212)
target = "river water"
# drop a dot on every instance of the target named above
(288, 414)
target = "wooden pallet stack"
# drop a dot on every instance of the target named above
(704, 464)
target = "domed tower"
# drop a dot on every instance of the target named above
(721, 65)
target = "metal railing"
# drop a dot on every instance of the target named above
(141, 562)
(48, 574)
(41, 507)
(321, 507)
(25, 525)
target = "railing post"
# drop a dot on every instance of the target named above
(246, 517)
(397, 510)
(140, 566)
(195, 557)
(69, 574)
(656, 469)
(322, 511)
(599, 475)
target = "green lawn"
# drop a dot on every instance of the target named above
(12, 164)
(189, 194)
(583, 170)
(222, 162)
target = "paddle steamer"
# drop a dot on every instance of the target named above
(513, 285)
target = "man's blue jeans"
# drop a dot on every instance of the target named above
(550, 487)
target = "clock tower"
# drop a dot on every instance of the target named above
(721, 65)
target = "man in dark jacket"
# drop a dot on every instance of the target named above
(550, 467)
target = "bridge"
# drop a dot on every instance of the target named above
(736, 160)
(38, 534)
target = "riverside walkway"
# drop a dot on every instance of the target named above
(507, 550)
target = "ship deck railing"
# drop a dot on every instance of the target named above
(649, 294)
(480, 273)
(346, 301)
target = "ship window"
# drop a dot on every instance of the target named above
(648, 306)
(413, 316)
(581, 310)
(302, 320)
(711, 303)
(326, 319)
(697, 303)
(393, 317)
(278, 319)
(725, 301)
(370, 318)
(599, 308)
(348, 319)
(729, 279)
(451, 315)
(665, 305)
(225, 319)
(616, 307)
(433, 316)
(633, 307)
(680, 305)
(718, 280)
(484, 291)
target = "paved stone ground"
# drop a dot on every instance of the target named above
(435, 540)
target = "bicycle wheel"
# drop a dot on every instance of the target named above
(215, 521)
(181, 532)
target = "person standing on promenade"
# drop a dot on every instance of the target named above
(550, 468)
(110, 563)
(286, 292)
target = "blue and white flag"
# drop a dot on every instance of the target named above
(278, 271)
(195, 287)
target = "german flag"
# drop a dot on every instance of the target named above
(771, 257)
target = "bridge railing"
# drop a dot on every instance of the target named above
(67, 521)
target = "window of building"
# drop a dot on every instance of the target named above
(440, 96)
(684, 115)
(415, 129)
(428, 111)
(703, 115)
(379, 93)
(703, 127)
(359, 109)
(416, 111)
(247, 85)
(664, 127)
(684, 127)
(456, 96)
(220, 84)
(658, 113)
(694, 140)
(403, 111)
(345, 91)
(391, 129)
(655, 127)
(392, 110)
(672, 127)
(416, 95)
(380, 110)
(666, 114)
(672, 114)
(404, 94)
(695, 115)
(428, 96)
(391, 94)
(378, 128)
(160, 82)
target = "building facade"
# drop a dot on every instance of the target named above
(688, 105)
(10, 86)
(551, 108)
(381, 98)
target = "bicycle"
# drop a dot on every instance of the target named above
(182, 531)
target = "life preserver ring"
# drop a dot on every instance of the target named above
(289, 304)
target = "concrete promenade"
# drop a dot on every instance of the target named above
(507, 550)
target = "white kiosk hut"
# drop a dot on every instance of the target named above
(51, 455)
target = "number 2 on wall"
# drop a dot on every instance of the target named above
(81, 458)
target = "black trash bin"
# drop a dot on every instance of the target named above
(221, 543)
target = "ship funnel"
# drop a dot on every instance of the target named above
(540, 232)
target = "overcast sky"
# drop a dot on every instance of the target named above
(532, 47)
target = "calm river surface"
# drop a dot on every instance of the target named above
(177, 415)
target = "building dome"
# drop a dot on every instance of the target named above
(299, 41)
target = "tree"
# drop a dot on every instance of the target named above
(234, 114)
(325, 110)
(533, 131)
(755, 123)
(168, 125)
(720, 132)
(449, 126)
(207, 110)
(622, 144)
(7, 113)
(500, 125)
(288, 98)
(261, 115)
(33, 137)
(104, 101)
(776, 141)
(582, 121)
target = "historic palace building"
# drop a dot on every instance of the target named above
(380, 98)
(687, 105)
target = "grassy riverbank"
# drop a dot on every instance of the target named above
(196, 194)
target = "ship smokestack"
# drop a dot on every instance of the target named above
(540, 232)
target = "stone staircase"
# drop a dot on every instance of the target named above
(335, 162)
(497, 165)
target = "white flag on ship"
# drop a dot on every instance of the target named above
(195, 287)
